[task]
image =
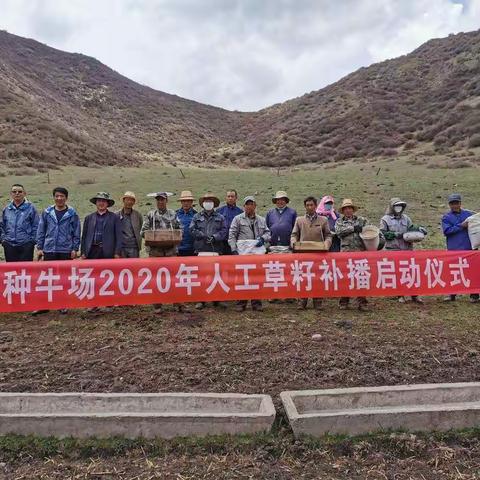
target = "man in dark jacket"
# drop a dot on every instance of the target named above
(18, 227)
(280, 220)
(131, 221)
(209, 232)
(102, 230)
(185, 216)
(58, 234)
(229, 211)
(208, 227)
(455, 229)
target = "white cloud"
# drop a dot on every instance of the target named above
(238, 54)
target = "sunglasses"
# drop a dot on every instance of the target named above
(17, 191)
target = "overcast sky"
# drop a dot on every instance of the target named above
(238, 54)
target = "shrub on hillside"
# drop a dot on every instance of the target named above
(474, 141)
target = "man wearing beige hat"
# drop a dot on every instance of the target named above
(185, 215)
(131, 225)
(280, 220)
(348, 228)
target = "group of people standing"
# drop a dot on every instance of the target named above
(57, 234)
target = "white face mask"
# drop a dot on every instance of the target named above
(398, 209)
(208, 206)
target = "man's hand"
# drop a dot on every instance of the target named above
(464, 224)
(260, 242)
(83, 257)
(117, 256)
(211, 240)
(389, 236)
(73, 254)
(40, 255)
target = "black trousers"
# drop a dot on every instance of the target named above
(56, 256)
(20, 253)
(186, 253)
(96, 252)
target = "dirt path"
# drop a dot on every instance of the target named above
(131, 350)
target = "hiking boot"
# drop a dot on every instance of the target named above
(200, 305)
(474, 299)
(317, 303)
(417, 300)
(221, 305)
(158, 308)
(257, 308)
(402, 300)
(38, 312)
(450, 298)
(302, 304)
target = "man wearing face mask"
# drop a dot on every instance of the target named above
(208, 227)
(393, 225)
(209, 231)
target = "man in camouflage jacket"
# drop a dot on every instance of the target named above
(348, 229)
(162, 218)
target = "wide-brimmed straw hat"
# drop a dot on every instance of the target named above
(160, 195)
(186, 195)
(103, 196)
(348, 202)
(129, 195)
(209, 196)
(280, 194)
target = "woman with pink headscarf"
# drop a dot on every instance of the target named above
(326, 208)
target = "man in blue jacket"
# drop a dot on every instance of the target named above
(455, 229)
(185, 216)
(18, 227)
(280, 220)
(102, 230)
(229, 212)
(58, 235)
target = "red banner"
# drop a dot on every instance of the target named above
(86, 283)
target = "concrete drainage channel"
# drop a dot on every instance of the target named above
(310, 412)
(354, 411)
(149, 415)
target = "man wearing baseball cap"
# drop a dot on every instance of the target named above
(455, 229)
(248, 226)
(131, 225)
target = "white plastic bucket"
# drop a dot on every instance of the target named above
(413, 237)
(247, 247)
(371, 237)
(474, 230)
